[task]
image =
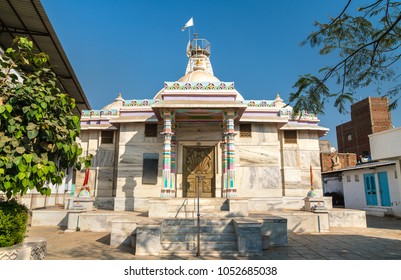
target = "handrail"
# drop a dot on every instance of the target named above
(198, 177)
(184, 204)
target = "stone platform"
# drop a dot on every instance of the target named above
(249, 234)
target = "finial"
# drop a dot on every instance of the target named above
(278, 102)
(119, 97)
(198, 62)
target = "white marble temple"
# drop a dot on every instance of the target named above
(258, 156)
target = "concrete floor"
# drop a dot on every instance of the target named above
(381, 240)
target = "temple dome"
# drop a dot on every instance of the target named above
(199, 72)
(118, 102)
(199, 76)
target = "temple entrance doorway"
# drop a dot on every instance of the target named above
(198, 161)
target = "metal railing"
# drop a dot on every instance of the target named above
(199, 178)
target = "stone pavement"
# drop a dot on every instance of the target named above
(381, 240)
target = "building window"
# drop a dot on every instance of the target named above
(107, 137)
(290, 136)
(150, 130)
(356, 178)
(245, 130)
(349, 137)
(150, 168)
(348, 178)
(395, 174)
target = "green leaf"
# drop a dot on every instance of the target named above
(32, 134)
(7, 185)
(25, 183)
(75, 119)
(17, 160)
(31, 126)
(20, 150)
(21, 175)
(9, 108)
(22, 167)
(27, 157)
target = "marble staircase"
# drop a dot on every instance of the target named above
(217, 237)
(187, 208)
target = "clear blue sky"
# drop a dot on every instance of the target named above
(132, 47)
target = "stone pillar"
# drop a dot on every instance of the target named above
(173, 164)
(167, 190)
(230, 134)
(224, 166)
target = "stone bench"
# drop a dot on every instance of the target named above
(249, 235)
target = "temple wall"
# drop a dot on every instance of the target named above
(265, 165)
(258, 162)
(102, 169)
(132, 145)
(297, 159)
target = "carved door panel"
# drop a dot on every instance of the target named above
(198, 161)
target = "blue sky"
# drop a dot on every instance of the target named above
(132, 47)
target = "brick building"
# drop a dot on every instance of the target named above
(368, 116)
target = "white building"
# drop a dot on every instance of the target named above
(386, 145)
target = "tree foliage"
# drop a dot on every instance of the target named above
(368, 47)
(38, 129)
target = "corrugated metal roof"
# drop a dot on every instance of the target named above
(28, 18)
(372, 164)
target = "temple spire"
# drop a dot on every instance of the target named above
(198, 51)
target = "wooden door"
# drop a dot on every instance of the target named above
(198, 161)
(384, 190)
(370, 189)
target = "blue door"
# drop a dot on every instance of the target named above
(384, 191)
(370, 189)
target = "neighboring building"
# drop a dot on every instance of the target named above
(368, 116)
(335, 160)
(375, 186)
(332, 161)
(372, 187)
(153, 148)
(386, 145)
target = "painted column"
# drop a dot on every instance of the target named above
(173, 158)
(224, 165)
(230, 150)
(166, 190)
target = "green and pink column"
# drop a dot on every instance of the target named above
(168, 189)
(230, 189)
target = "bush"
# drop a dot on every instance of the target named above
(13, 222)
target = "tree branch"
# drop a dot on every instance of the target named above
(377, 42)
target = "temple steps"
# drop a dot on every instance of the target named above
(217, 237)
(188, 207)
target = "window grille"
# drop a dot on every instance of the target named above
(290, 136)
(245, 130)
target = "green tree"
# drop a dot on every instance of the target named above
(38, 129)
(367, 44)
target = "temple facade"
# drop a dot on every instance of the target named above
(198, 136)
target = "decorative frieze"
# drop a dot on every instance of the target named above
(199, 85)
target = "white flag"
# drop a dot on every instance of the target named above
(188, 24)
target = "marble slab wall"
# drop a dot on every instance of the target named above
(297, 161)
(265, 166)
(133, 145)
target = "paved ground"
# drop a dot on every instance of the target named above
(381, 240)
